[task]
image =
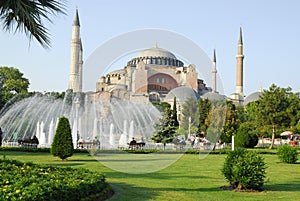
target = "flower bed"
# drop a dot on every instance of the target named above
(46, 150)
(27, 181)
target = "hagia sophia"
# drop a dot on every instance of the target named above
(155, 75)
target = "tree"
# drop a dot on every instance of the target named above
(62, 145)
(164, 129)
(28, 15)
(204, 107)
(216, 119)
(246, 136)
(12, 84)
(293, 109)
(189, 112)
(161, 106)
(174, 113)
(1, 133)
(272, 108)
(231, 122)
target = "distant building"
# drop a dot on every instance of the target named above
(155, 74)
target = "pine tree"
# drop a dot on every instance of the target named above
(62, 145)
(164, 129)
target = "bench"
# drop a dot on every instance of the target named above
(136, 145)
(29, 143)
(89, 145)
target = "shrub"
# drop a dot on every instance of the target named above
(62, 145)
(27, 182)
(287, 154)
(244, 170)
(245, 136)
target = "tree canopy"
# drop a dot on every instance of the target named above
(12, 84)
(165, 129)
(277, 109)
(28, 16)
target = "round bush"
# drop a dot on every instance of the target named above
(244, 170)
(287, 154)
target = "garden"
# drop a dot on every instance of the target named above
(189, 178)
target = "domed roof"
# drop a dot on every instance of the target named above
(213, 96)
(252, 97)
(182, 94)
(156, 52)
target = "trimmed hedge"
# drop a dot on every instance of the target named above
(62, 145)
(31, 182)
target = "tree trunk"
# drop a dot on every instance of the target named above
(273, 138)
(164, 146)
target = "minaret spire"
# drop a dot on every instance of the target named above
(214, 72)
(76, 18)
(75, 82)
(239, 67)
(241, 37)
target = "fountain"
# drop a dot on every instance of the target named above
(111, 136)
(91, 117)
(131, 130)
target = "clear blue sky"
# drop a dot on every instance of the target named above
(271, 34)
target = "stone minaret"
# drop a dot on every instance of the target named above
(239, 67)
(214, 73)
(75, 82)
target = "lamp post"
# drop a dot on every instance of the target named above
(232, 142)
(190, 120)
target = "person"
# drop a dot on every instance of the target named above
(141, 143)
(182, 143)
(132, 144)
(196, 142)
(133, 141)
(96, 142)
(80, 143)
(142, 140)
(192, 140)
(35, 140)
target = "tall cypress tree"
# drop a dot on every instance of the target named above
(174, 113)
(204, 107)
(62, 145)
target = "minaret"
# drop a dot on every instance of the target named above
(80, 68)
(239, 67)
(75, 82)
(214, 73)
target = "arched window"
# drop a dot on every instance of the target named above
(161, 82)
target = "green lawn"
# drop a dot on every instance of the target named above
(187, 179)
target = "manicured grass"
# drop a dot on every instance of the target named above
(187, 179)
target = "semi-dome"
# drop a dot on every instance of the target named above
(156, 56)
(156, 52)
(252, 97)
(182, 94)
(213, 96)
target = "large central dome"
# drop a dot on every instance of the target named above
(156, 52)
(156, 56)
